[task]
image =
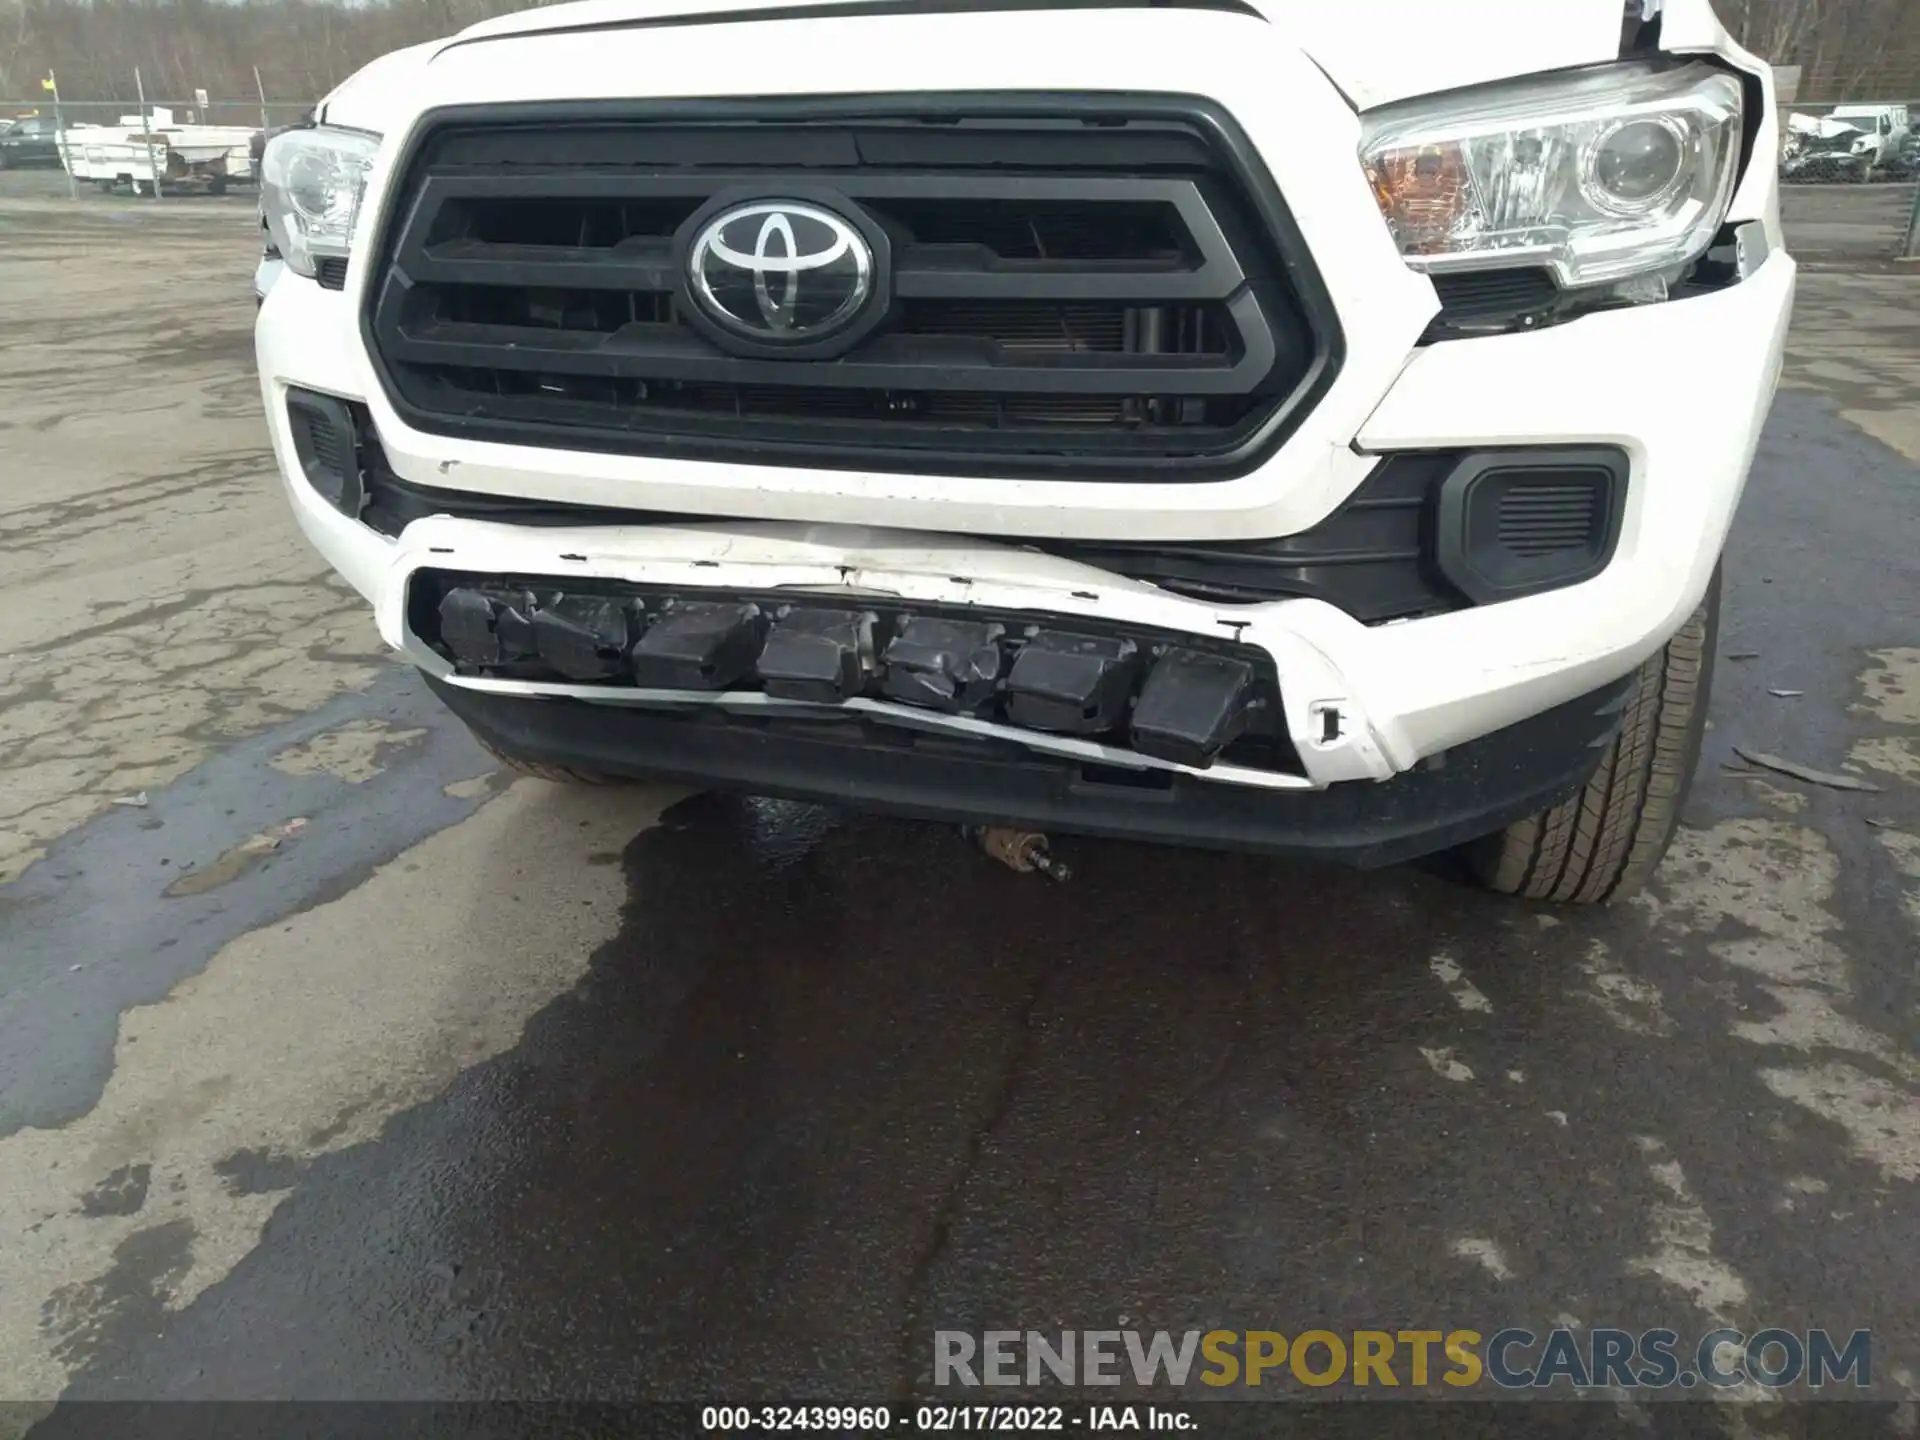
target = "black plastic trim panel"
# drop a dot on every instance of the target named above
(1470, 525)
(840, 760)
(1373, 557)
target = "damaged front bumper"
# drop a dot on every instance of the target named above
(1238, 723)
(845, 759)
(911, 737)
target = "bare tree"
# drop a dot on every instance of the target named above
(1846, 48)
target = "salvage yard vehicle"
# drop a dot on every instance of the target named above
(1853, 144)
(137, 154)
(1306, 428)
(31, 140)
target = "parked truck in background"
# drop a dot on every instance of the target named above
(1852, 142)
(27, 141)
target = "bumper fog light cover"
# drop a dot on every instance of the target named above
(700, 645)
(327, 446)
(1192, 707)
(1072, 684)
(950, 665)
(824, 656)
(1511, 523)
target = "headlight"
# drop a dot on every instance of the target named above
(1599, 176)
(311, 185)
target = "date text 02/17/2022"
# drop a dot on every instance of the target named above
(941, 1419)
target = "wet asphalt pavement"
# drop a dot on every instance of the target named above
(431, 1087)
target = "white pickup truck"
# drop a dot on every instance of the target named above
(1296, 426)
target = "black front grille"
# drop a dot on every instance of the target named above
(1075, 292)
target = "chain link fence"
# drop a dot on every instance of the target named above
(1850, 179)
(140, 146)
(190, 111)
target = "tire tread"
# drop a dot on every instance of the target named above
(1606, 841)
(556, 774)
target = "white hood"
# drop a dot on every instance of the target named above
(1376, 51)
(377, 93)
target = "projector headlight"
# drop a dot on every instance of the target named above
(311, 185)
(1598, 175)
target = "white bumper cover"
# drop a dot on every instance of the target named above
(1690, 421)
(1682, 387)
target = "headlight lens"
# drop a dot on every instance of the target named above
(311, 185)
(1599, 176)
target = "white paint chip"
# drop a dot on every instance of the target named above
(1881, 1118)
(354, 753)
(1905, 851)
(1895, 755)
(1891, 687)
(1483, 1253)
(1444, 1065)
(471, 789)
(1558, 1117)
(1775, 883)
(1682, 1254)
(1465, 994)
(1630, 1004)
(1786, 802)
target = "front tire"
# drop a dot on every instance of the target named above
(1606, 841)
(557, 774)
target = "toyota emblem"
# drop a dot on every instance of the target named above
(780, 271)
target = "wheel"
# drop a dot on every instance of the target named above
(1605, 842)
(217, 185)
(105, 187)
(558, 774)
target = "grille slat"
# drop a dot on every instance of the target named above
(930, 362)
(1104, 299)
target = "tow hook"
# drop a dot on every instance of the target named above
(1021, 850)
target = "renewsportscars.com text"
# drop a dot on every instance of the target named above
(1510, 1358)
